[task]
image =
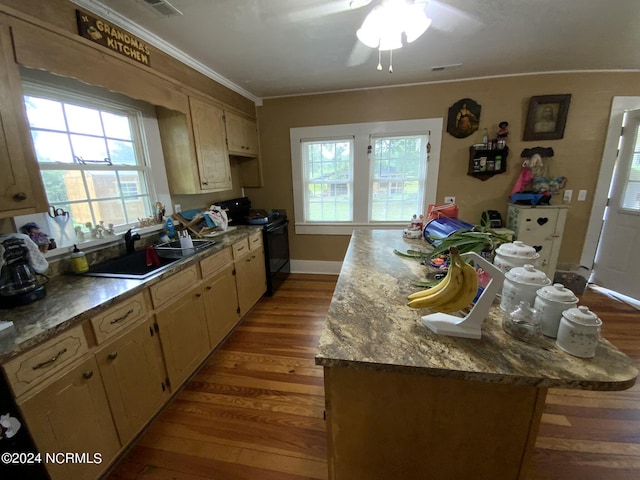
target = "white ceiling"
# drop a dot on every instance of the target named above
(270, 48)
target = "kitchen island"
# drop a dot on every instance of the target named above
(404, 402)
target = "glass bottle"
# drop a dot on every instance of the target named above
(522, 322)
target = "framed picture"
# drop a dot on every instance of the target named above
(546, 117)
(463, 118)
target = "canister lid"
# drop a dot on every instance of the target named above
(517, 249)
(527, 275)
(557, 293)
(582, 315)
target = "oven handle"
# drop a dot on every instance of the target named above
(280, 226)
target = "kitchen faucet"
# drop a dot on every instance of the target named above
(129, 241)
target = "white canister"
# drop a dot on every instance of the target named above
(515, 254)
(550, 302)
(579, 332)
(521, 284)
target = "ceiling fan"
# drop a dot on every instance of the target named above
(443, 17)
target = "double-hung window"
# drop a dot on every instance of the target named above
(368, 175)
(91, 154)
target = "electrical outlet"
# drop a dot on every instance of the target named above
(567, 196)
(450, 200)
(582, 195)
(177, 208)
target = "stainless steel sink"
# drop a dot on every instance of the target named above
(130, 266)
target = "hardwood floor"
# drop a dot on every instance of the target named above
(255, 410)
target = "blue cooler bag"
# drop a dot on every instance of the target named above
(443, 227)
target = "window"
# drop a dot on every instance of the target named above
(371, 175)
(631, 195)
(91, 155)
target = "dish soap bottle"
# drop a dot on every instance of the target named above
(78, 261)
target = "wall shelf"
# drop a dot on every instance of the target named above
(484, 164)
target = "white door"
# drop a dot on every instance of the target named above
(617, 263)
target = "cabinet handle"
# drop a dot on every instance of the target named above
(88, 374)
(205, 183)
(209, 287)
(51, 360)
(112, 355)
(20, 196)
(198, 295)
(119, 319)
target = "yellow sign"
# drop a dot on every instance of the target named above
(112, 37)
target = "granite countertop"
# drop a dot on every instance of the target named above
(72, 299)
(370, 326)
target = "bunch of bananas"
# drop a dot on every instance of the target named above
(454, 292)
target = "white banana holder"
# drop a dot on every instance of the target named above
(469, 326)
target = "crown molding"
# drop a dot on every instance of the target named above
(121, 21)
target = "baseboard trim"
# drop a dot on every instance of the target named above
(315, 266)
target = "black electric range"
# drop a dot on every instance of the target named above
(275, 237)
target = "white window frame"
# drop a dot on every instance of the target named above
(361, 132)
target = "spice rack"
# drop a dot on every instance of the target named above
(484, 163)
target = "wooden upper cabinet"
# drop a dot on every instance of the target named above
(242, 135)
(194, 147)
(19, 193)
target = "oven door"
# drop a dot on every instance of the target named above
(276, 239)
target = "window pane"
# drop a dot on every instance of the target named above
(631, 198)
(109, 211)
(51, 147)
(136, 208)
(83, 120)
(63, 186)
(44, 113)
(102, 184)
(398, 170)
(116, 126)
(121, 153)
(132, 183)
(89, 148)
(328, 178)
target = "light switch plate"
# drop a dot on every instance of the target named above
(177, 208)
(582, 195)
(450, 200)
(567, 195)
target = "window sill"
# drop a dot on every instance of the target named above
(99, 243)
(343, 228)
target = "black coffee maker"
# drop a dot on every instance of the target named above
(19, 283)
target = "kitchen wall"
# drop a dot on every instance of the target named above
(577, 155)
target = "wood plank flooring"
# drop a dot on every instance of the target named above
(255, 410)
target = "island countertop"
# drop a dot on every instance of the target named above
(370, 326)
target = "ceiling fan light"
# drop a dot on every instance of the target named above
(416, 24)
(369, 38)
(369, 32)
(391, 41)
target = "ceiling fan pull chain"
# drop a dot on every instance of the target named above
(379, 67)
(390, 61)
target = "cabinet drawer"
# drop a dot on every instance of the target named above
(31, 368)
(212, 264)
(174, 286)
(114, 320)
(255, 241)
(240, 249)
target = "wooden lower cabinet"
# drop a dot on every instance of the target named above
(134, 379)
(182, 327)
(72, 416)
(221, 304)
(251, 279)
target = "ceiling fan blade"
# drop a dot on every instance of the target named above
(450, 19)
(360, 53)
(306, 11)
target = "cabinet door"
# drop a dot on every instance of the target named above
(251, 279)
(182, 327)
(221, 304)
(18, 191)
(133, 378)
(72, 415)
(210, 144)
(242, 135)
